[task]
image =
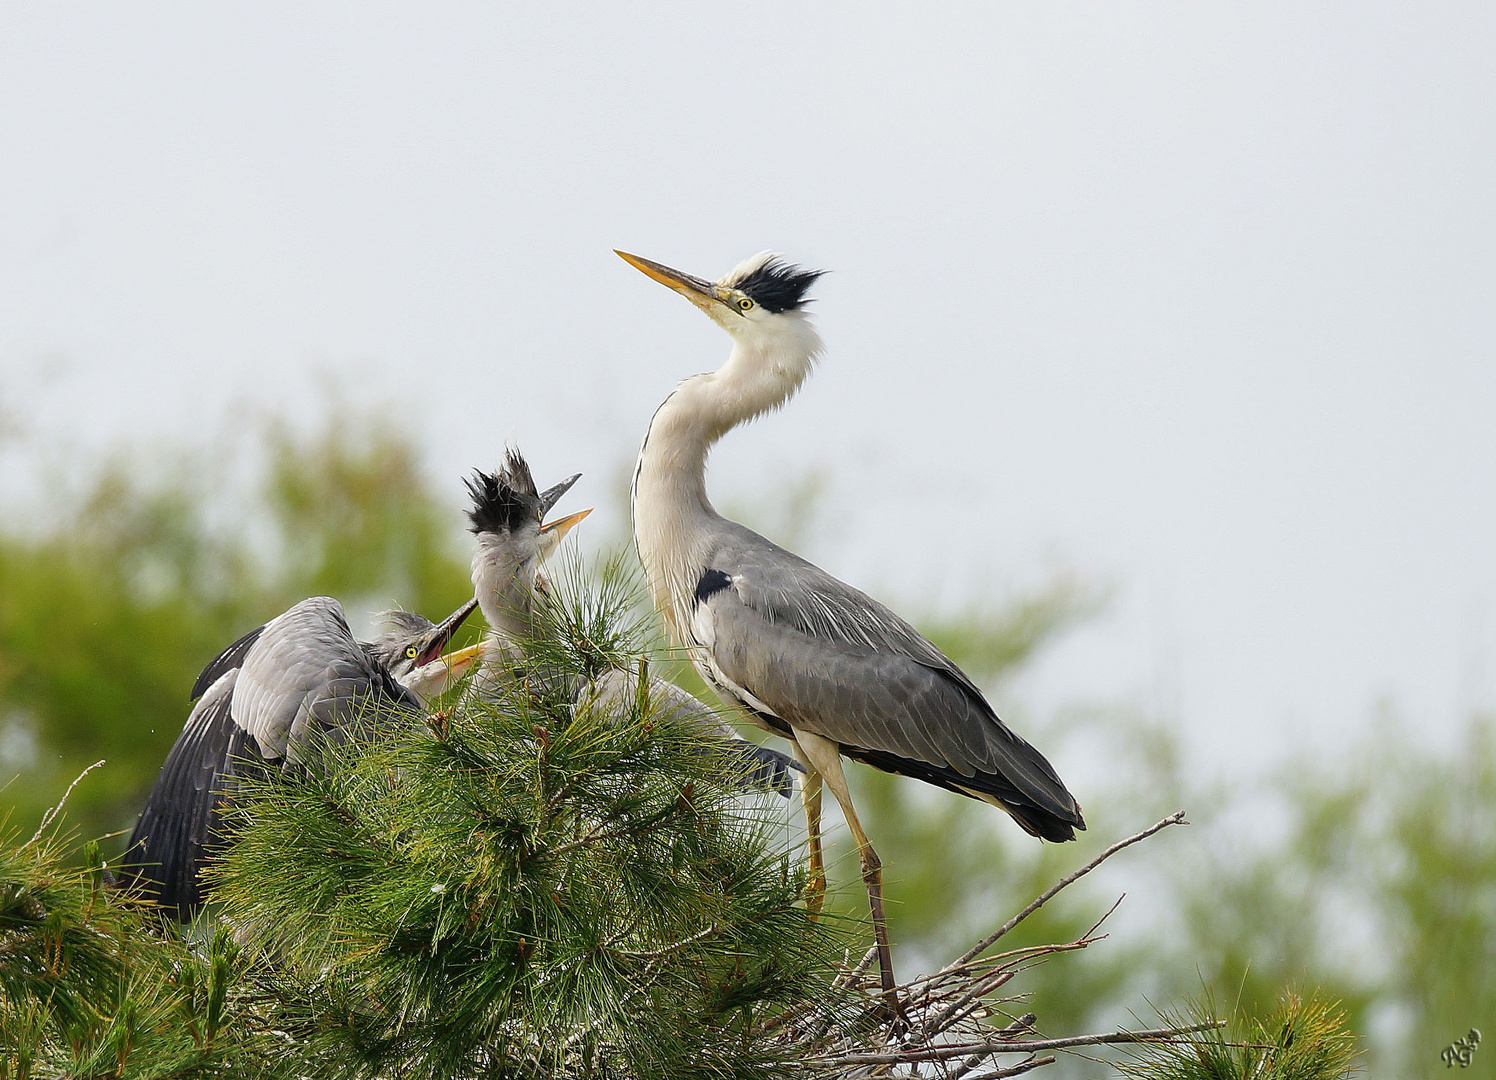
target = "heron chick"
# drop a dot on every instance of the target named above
(260, 704)
(513, 541)
(807, 656)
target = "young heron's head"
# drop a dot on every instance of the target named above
(411, 645)
(514, 539)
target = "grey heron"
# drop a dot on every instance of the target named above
(299, 676)
(513, 540)
(807, 656)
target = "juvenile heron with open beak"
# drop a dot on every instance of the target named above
(260, 704)
(513, 541)
(807, 656)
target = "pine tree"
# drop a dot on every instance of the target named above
(520, 887)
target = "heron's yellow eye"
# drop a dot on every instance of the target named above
(745, 304)
(412, 652)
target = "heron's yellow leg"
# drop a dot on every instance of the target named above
(810, 794)
(824, 757)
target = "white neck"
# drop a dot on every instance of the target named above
(504, 585)
(672, 514)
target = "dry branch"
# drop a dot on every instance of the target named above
(1176, 818)
(946, 1024)
(942, 1053)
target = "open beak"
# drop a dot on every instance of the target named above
(702, 293)
(458, 661)
(553, 532)
(552, 495)
(562, 526)
(443, 633)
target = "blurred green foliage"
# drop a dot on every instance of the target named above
(114, 596)
(1371, 876)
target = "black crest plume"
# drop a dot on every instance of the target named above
(504, 500)
(778, 285)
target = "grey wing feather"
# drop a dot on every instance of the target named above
(299, 673)
(228, 660)
(179, 829)
(822, 656)
(786, 589)
(306, 673)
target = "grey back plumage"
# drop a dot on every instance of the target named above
(805, 650)
(307, 673)
(300, 676)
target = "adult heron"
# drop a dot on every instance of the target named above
(809, 657)
(513, 541)
(299, 677)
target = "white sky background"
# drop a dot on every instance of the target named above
(1197, 299)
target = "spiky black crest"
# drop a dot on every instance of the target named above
(504, 500)
(776, 285)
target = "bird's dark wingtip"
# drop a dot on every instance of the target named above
(1044, 825)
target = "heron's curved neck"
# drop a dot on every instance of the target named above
(670, 504)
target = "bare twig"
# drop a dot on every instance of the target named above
(51, 814)
(1023, 1023)
(944, 1053)
(1176, 818)
(1021, 1067)
(847, 978)
(1087, 936)
(954, 1007)
(971, 998)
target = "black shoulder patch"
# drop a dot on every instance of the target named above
(713, 581)
(778, 285)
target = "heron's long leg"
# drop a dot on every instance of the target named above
(825, 758)
(810, 794)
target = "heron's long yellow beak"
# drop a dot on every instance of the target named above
(704, 294)
(562, 526)
(459, 660)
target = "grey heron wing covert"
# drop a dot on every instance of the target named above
(799, 647)
(307, 673)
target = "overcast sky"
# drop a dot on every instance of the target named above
(1196, 299)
